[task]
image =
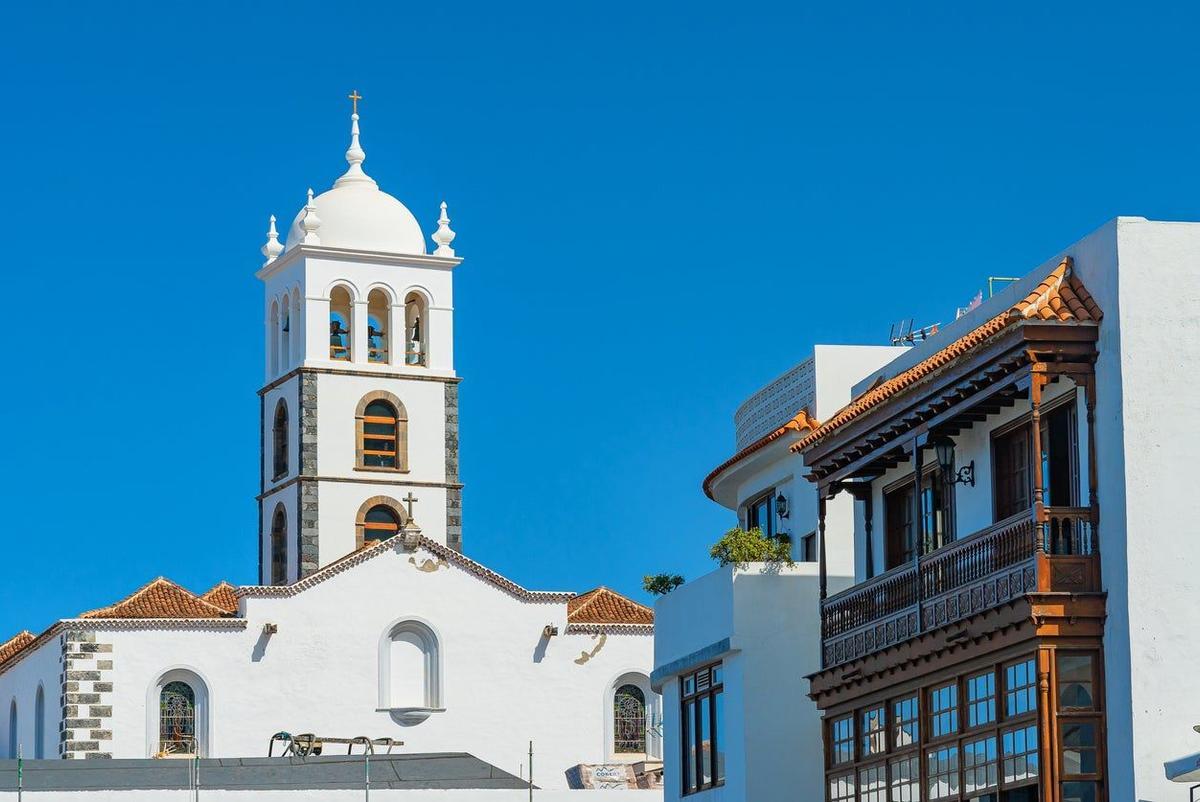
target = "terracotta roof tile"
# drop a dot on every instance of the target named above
(223, 595)
(162, 598)
(15, 645)
(1061, 297)
(604, 606)
(802, 422)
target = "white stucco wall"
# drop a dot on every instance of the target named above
(503, 684)
(1147, 442)
(772, 732)
(20, 684)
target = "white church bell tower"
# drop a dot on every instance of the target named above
(359, 406)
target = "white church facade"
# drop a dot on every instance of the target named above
(368, 619)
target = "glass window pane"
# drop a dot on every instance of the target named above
(718, 735)
(705, 741)
(1075, 682)
(906, 717)
(1079, 792)
(689, 746)
(943, 710)
(1020, 680)
(872, 732)
(906, 779)
(981, 699)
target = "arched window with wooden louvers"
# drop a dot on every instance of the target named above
(279, 547)
(279, 441)
(629, 720)
(380, 523)
(382, 425)
(177, 719)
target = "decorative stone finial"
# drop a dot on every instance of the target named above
(444, 235)
(410, 535)
(355, 155)
(310, 223)
(273, 247)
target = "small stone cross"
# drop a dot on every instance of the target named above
(410, 500)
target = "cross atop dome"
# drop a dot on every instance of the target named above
(355, 155)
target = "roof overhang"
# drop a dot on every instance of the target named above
(958, 393)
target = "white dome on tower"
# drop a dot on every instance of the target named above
(357, 214)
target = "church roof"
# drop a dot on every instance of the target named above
(802, 422)
(14, 645)
(1060, 297)
(161, 598)
(605, 606)
(223, 595)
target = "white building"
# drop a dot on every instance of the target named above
(1020, 625)
(369, 619)
(758, 625)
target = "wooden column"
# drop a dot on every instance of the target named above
(918, 525)
(1046, 719)
(868, 528)
(1089, 400)
(1035, 433)
(821, 537)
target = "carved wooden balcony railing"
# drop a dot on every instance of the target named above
(1013, 557)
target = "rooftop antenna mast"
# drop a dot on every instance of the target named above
(903, 333)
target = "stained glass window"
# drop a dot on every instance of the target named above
(629, 720)
(177, 719)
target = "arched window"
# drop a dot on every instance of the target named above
(177, 709)
(341, 324)
(378, 307)
(629, 720)
(382, 429)
(279, 440)
(410, 669)
(39, 724)
(177, 719)
(279, 547)
(285, 331)
(12, 730)
(416, 330)
(380, 523)
(297, 320)
(274, 343)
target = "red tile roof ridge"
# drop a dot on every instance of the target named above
(159, 598)
(800, 422)
(1060, 297)
(223, 595)
(15, 645)
(602, 605)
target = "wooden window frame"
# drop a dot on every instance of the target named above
(711, 692)
(963, 735)
(360, 520)
(360, 434)
(931, 482)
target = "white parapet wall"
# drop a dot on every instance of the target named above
(762, 622)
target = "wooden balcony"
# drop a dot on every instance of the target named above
(1016, 556)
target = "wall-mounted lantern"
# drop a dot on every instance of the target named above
(781, 505)
(943, 447)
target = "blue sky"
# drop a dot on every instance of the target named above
(661, 207)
